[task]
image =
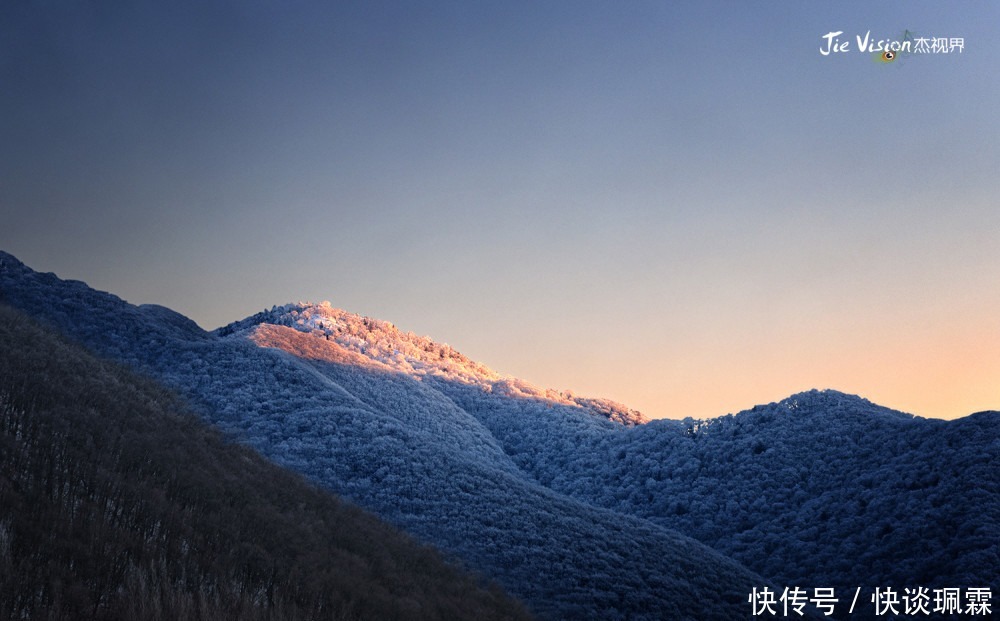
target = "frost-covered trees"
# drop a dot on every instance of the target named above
(572, 503)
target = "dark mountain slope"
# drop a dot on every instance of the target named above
(115, 503)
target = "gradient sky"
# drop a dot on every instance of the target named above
(682, 206)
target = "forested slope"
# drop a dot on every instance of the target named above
(418, 461)
(579, 506)
(821, 489)
(117, 503)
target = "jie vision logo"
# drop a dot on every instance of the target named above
(889, 50)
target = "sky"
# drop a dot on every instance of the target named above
(682, 206)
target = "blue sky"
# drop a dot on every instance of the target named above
(681, 206)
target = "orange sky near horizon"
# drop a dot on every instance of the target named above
(681, 206)
(930, 377)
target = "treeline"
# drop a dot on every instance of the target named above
(116, 503)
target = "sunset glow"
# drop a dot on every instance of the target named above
(681, 212)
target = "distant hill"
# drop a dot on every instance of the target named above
(822, 488)
(117, 503)
(579, 506)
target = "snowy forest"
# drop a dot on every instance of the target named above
(579, 507)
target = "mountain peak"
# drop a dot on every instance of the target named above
(825, 396)
(374, 338)
(829, 401)
(417, 356)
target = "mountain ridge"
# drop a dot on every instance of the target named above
(191, 328)
(351, 329)
(822, 488)
(454, 488)
(412, 354)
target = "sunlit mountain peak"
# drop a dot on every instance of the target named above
(418, 356)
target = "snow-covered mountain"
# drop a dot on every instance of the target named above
(405, 352)
(423, 464)
(579, 506)
(820, 488)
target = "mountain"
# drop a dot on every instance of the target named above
(117, 503)
(579, 506)
(822, 488)
(378, 342)
(425, 465)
